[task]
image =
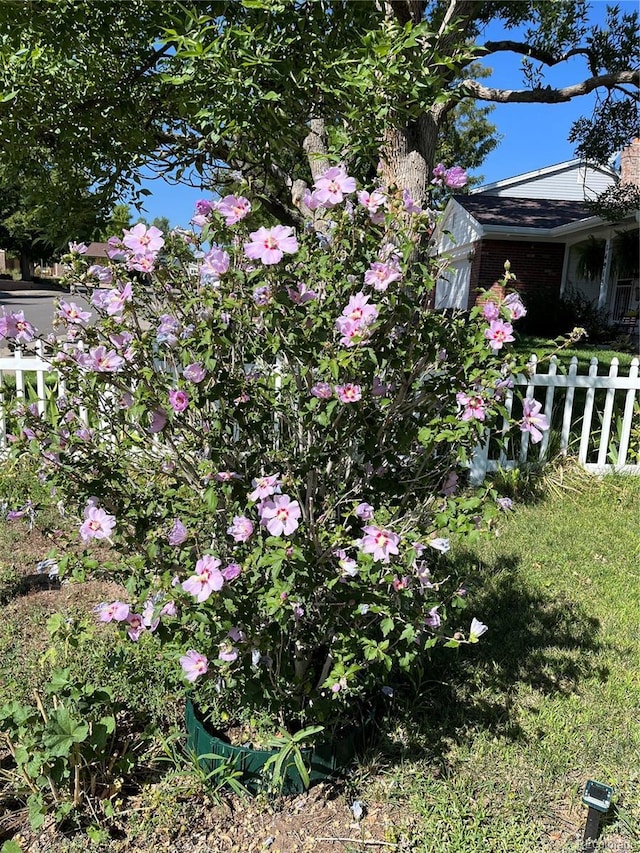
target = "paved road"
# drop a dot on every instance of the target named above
(38, 305)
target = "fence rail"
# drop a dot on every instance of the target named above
(571, 416)
(569, 400)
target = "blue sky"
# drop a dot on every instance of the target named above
(533, 135)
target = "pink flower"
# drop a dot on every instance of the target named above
(158, 421)
(141, 240)
(348, 393)
(380, 275)
(214, 264)
(532, 421)
(15, 326)
(332, 186)
(433, 619)
(322, 390)
(359, 311)
(193, 665)
(352, 333)
(409, 204)
(263, 487)
(280, 515)
(490, 311)
(207, 579)
(498, 334)
(194, 372)
(116, 300)
(301, 294)
(117, 611)
(226, 476)
(234, 208)
(136, 626)
(178, 533)
(228, 652)
(380, 543)
(269, 244)
(455, 177)
(204, 207)
(371, 201)
(514, 306)
(97, 524)
(364, 511)
(474, 407)
(70, 312)
(103, 361)
(178, 399)
(116, 251)
(103, 274)
(78, 248)
(241, 529)
(232, 571)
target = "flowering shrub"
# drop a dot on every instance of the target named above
(277, 424)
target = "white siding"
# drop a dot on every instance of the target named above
(452, 289)
(572, 182)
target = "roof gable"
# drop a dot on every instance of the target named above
(572, 180)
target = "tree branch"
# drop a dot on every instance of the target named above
(544, 56)
(471, 88)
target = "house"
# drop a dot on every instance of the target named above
(539, 222)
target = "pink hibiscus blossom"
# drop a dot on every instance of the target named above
(233, 570)
(514, 306)
(141, 240)
(207, 579)
(264, 487)
(228, 653)
(269, 244)
(379, 543)
(193, 665)
(72, 313)
(371, 201)
(115, 301)
(473, 406)
(348, 393)
(409, 204)
(322, 390)
(15, 326)
(214, 264)
(103, 274)
(157, 421)
(97, 524)
(241, 529)
(280, 515)
(234, 208)
(490, 311)
(498, 334)
(532, 421)
(178, 399)
(136, 626)
(103, 361)
(359, 311)
(178, 533)
(380, 275)
(455, 178)
(117, 611)
(364, 511)
(194, 372)
(332, 186)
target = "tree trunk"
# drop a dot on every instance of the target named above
(26, 267)
(408, 154)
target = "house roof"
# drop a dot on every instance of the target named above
(97, 250)
(523, 212)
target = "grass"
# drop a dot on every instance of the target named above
(490, 746)
(584, 353)
(549, 698)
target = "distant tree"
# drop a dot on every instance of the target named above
(119, 219)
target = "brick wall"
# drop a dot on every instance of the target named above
(537, 266)
(630, 164)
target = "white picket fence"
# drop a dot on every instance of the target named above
(588, 426)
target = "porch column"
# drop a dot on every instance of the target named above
(606, 272)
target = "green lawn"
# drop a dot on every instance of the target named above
(493, 753)
(550, 697)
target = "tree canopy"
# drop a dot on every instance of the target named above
(273, 90)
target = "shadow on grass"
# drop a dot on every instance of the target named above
(535, 638)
